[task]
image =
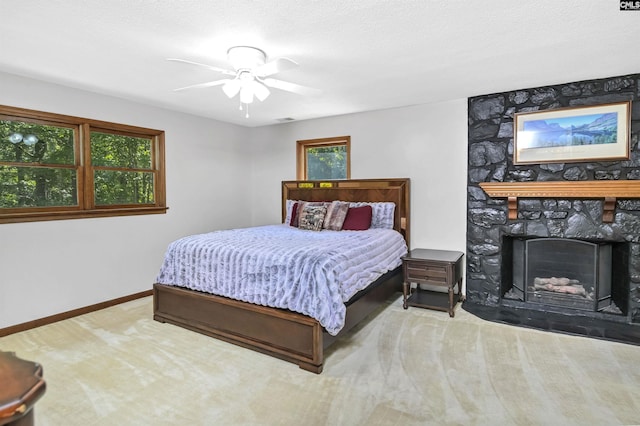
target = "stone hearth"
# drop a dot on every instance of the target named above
(490, 159)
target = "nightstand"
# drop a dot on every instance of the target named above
(441, 268)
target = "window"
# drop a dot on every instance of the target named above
(324, 158)
(61, 167)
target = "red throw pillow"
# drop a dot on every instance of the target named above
(294, 215)
(358, 219)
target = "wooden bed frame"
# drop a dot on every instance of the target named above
(282, 333)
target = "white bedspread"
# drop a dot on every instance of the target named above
(309, 272)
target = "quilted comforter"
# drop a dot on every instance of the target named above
(310, 272)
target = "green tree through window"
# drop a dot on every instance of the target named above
(320, 159)
(37, 165)
(59, 167)
(327, 162)
(122, 169)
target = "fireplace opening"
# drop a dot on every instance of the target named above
(566, 273)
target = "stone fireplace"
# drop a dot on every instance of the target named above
(561, 263)
(566, 273)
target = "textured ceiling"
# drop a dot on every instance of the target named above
(364, 55)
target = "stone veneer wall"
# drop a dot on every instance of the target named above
(491, 159)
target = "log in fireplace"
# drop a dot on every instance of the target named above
(566, 273)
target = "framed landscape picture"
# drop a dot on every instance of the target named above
(586, 133)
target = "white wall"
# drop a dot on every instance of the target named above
(52, 267)
(218, 176)
(426, 143)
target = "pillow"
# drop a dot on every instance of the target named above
(311, 217)
(382, 216)
(295, 218)
(289, 206)
(383, 213)
(336, 213)
(294, 215)
(358, 219)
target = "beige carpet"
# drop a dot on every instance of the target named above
(415, 367)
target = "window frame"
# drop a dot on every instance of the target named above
(86, 208)
(303, 145)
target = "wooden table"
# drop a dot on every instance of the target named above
(21, 385)
(441, 268)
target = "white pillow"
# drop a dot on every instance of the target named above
(383, 213)
(289, 206)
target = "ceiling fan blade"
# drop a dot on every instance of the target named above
(211, 67)
(274, 67)
(207, 84)
(291, 87)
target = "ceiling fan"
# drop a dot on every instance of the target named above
(250, 75)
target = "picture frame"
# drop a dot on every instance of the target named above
(575, 134)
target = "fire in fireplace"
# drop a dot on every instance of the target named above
(566, 273)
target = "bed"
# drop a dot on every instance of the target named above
(283, 333)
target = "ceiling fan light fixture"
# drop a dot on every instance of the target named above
(251, 76)
(231, 88)
(246, 95)
(259, 90)
(30, 140)
(15, 138)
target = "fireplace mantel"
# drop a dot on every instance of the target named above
(607, 189)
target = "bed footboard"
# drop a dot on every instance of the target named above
(280, 333)
(287, 335)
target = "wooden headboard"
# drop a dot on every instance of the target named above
(372, 190)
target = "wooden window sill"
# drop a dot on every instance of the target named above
(79, 214)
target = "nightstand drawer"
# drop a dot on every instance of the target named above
(426, 273)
